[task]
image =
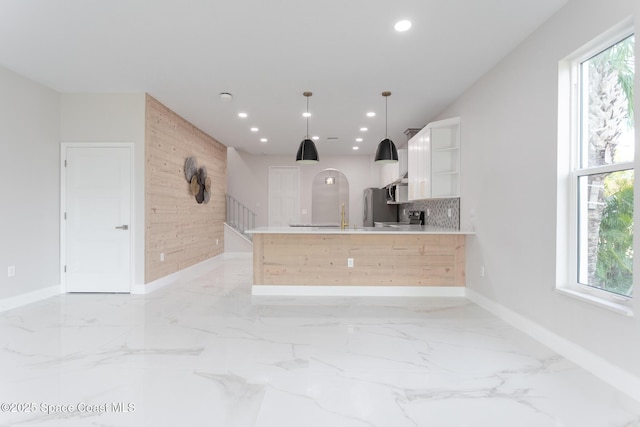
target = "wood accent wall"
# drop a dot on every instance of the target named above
(176, 224)
(379, 260)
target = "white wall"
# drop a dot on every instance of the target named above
(248, 176)
(509, 133)
(29, 183)
(112, 118)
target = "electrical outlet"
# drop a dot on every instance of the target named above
(350, 262)
(11, 271)
(217, 242)
(482, 271)
(449, 212)
(161, 256)
(428, 212)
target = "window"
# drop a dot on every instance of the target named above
(601, 171)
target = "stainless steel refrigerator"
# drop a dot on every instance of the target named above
(376, 209)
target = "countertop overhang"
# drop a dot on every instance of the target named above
(400, 229)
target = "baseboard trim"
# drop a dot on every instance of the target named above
(28, 298)
(184, 274)
(611, 374)
(358, 291)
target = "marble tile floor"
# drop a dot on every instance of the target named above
(204, 352)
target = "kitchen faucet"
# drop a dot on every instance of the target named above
(343, 224)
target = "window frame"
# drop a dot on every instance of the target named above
(570, 170)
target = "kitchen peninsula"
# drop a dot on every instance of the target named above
(404, 260)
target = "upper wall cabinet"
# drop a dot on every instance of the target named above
(434, 161)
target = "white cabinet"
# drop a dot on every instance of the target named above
(419, 180)
(434, 161)
(393, 172)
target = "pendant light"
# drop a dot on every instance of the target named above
(307, 152)
(386, 152)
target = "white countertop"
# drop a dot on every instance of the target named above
(400, 229)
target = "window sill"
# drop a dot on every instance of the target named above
(594, 300)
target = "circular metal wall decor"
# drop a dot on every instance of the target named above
(199, 182)
(190, 168)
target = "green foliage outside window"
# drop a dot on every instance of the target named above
(614, 269)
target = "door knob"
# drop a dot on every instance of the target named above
(123, 227)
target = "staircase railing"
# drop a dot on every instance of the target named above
(240, 217)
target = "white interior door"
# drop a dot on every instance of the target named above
(284, 196)
(98, 219)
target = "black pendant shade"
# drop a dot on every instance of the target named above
(307, 152)
(386, 152)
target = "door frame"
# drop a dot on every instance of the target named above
(63, 208)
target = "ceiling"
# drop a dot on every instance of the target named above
(266, 54)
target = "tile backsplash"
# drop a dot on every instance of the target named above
(438, 212)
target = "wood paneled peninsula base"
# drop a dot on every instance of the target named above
(417, 257)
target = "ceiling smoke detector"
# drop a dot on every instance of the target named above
(226, 96)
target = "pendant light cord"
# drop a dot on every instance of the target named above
(307, 117)
(386, 109)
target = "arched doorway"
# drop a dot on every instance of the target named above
(329, 191)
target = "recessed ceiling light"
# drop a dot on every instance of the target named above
(371, 114)
(358, 139)
(306, 114)
(243, 115)
(363, 129)
(263, 139)
(402, 26)
(315, 137)
(254, 129)
(356, 148)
